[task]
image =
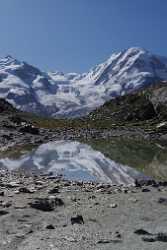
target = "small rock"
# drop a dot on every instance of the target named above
(152, 239)
(38, 182)
(7, 204)
(142, 232)
(55, 190)
(16, 192)
(144, 190)
(92, 197)
(118, 235)
(50, 226)
(28, 128)
(106, 241)
(3, 212)
(137, 183)
(2, 193)
(114, 205)
(25, 190)
(77, 220)
(10, 195)
(162, 201)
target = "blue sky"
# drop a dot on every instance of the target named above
(74, 35)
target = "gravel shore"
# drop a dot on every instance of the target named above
(48, 213)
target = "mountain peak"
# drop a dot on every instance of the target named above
(8, 60)
(9, 57)
(136, 49)
(59, 94)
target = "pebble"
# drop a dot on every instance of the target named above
(114, 205)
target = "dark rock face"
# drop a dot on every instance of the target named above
(6, 107)
(142, 105)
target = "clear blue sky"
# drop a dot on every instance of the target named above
(74, 35)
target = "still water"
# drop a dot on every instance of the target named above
(113, 161)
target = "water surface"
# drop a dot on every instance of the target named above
(113, 161)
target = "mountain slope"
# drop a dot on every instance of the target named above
(69, 95)
(142, 105)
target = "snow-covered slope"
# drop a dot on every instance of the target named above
(59, 94)
(74, 161)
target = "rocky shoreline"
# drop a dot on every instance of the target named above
(46, 212)
(12, 135)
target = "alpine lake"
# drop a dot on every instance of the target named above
(117, 161)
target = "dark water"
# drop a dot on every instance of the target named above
(114, 161)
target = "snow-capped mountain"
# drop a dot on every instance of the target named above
(59, 94)
(75, 161)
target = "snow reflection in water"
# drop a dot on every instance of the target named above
(75, 161)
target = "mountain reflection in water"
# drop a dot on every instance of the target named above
(74, 160)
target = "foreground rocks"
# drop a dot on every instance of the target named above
(46, 212)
